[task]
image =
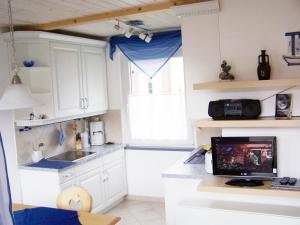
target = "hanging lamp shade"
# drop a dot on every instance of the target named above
(17, 96)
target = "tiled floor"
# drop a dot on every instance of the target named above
(139, 213)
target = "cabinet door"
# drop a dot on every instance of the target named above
(92, 182)
(67, 79)
(115, 185)
(94, 74)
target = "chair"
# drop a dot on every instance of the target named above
(74, 198)
(6, 215)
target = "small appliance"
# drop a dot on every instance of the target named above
(234, 109)
(97, 133)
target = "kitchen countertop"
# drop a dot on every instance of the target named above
(185, 171)
(100, 151)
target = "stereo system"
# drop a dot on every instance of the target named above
(234, 109)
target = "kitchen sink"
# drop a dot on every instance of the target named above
(71, 156)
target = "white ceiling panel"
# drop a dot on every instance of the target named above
(43, 11)
(153, 21)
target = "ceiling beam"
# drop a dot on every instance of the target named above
(109, 15)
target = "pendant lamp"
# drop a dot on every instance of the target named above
(16, 95)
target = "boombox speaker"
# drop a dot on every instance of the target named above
(234, 109)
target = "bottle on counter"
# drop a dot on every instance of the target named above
(78, 144)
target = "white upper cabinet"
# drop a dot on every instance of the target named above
(94, 78)
(67, 79)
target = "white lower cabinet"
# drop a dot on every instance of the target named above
(92, 182)
(115, 181)
(105, 182)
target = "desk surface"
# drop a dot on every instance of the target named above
(84, 218)
(217, 185)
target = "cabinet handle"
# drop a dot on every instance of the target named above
(81, 103)
(105, 177)
(67, 175)
(87, 102)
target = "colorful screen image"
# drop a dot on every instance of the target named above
(250, 157)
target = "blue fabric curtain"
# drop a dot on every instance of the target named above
(161, 48)
(6, 216)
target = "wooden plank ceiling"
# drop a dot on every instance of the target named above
(45, 12)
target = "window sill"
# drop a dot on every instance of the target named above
(159, 148)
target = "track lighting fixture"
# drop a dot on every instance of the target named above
(148, 37)
(119, 28)
(134, 29)
(142, 35)
(129, 33)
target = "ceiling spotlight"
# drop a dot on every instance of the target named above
(148, 37)
(129, 33)
(142, 36)
(119, 28)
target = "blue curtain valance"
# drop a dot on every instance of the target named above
(161, 48)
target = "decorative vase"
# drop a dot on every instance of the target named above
(263, 69)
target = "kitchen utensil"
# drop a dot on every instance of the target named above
(61, 136)
(85, 139)
(37, 154)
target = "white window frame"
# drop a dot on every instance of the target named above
(125, 79)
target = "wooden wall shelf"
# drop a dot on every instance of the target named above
(43, 122)
(226, 85)
(215, 184)
(265, 122)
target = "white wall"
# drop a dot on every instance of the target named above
(237, 34)
(144, 169)
(8, 131)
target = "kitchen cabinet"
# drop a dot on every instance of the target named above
(92, 182)
(68, 78)
(115, 181)
(79, 79)
(104, 178)
(94, 78)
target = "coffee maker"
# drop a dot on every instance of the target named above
(97, 133)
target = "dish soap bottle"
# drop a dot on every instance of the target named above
(263, 69)
(78, 142)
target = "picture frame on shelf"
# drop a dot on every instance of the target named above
(283, 106)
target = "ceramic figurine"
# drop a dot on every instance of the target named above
(225, 75)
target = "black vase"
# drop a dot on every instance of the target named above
(263, 69)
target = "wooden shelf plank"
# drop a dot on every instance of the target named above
(42, 122)
(265, 122)
(247, 84)
(217, 185)
(35, 69)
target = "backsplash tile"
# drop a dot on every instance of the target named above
(49, 136)
(112, 126)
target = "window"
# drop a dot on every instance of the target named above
(156, 107)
